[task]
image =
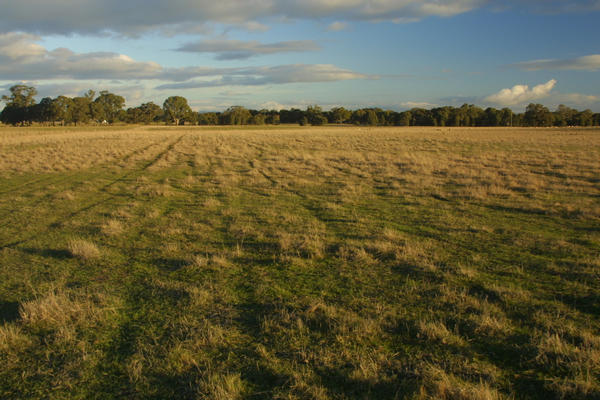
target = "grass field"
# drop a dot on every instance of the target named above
(299, 263)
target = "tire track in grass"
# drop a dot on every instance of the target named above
(94, 194)
(126, 158)
(64, 177)
(12, 215)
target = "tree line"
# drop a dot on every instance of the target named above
(108, 108)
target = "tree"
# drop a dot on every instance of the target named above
(584, 118)
(258, 119)
(176, 108)
(339, 115)
(372, 119)
(358, 117)
(209, 118)
(292, 116)
(81, 111)
(490, 117)
(272, 117)
(403, 118)
(421, 117)
(21, 96)
(564, 116)
(42, 112)
(107, 107)
(506, 117)
(537, 115)
(315, 116)
(149, 112)
(62, 109)
(386, 117)
(18, 105)
(236, 115)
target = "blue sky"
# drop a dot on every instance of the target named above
(282, 53)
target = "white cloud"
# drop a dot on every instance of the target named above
(417, 104)
(519, 94)
(134, 93)
(20, 47)
(585, 63)
(273, 105)
(337, 26)
(577, 99)
(254, 26)
(226, 49)
(552, 6)
(22, 58)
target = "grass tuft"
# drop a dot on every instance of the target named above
(83, 249)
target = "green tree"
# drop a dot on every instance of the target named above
(490, 117)
(315, 116)
(258, 119)
(506, 117)
(107, 106)
(339, 115)
(564, 116)
(150, 112)
(421, 117)
(176, 109)
(358, 117)
(21, 96)
(81, 112)
(292, 116)
(62, 109)
(584, 118)
(209, 118)
(372, 119)
(404, 118)
(42, 112)
(134, 115)
(272, 117)
(236, 115)
(19, 105)
(537, 115)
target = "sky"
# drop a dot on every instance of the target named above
(274, 54)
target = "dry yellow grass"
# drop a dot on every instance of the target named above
(303, 263)
(83, 249)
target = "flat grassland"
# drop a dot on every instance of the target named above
(299, 263)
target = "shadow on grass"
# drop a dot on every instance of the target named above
(169, 264)
(588, 303)
(480, 291)
(60, 254)
(9, 311)
(398, 386)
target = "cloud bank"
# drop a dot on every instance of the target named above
(225, 49)
(337, 26)
(21, 58)
(133, 17)
(519, 94)
(136, 16)
(585, 63)
(258, 76)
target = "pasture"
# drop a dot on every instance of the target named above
(299, 263)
